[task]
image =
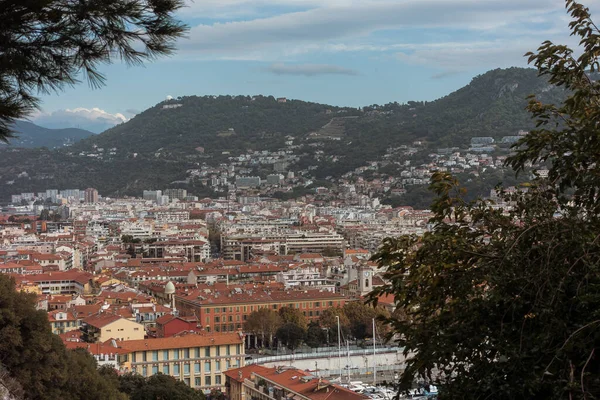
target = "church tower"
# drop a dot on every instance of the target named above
(365, 280)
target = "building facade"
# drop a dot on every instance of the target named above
(198, 360)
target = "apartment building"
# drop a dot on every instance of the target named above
(103, 326)
(199, 360)
(244, 246)
(227, 310)
(61, 282)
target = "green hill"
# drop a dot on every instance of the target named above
(216, 123)
(157, 146)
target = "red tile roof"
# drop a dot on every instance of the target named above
(296, 381)
(190, 340)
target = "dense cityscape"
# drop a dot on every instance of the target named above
(159, 242)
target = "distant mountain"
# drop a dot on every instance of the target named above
(30, 135)
(158, 146)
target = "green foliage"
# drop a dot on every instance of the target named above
(328, 320)
(291, 335)
(157, 387)
(504, 304)
(264, 323)
(315, 335)
(38, 360)
(292, 315)
(46, 45)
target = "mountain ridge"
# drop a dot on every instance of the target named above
(30, 135)
(158, 146)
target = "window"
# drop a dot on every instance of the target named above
(186, 353)
(237, 349)
(230, 309)
(218, 366)
(317, 304)
(217, 319)
(207, 381)
(166, 369)
(228, 350)
(165, 354)
(197, 352)
(237, 318)
(310, 313)
(218, 380)
(207, 311)
(186, 369)
(274, 306)
(144, 371)
(228, 364)
(218, 350)
(207, 320)
(207, 366)
(144, 356)
(237, 309)
(197, 368)
(176, 354)
(176, 369)
(331, 304)
(155, 355)
(198, 382)
(245, 309)
(133, 357)
(186, 381)
(224, 309)
(207, 352)
(231, 318)
(154, 369)
(245, 317)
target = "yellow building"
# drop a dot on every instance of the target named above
(103, 326)
(199, 360)
(62, 321)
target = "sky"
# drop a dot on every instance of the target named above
(339, 52)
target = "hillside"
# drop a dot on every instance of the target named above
(30, 135)
(156, 147)
(216, 123)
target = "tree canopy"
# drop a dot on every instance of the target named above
(35, 359)
(504, 303)
(46, 45)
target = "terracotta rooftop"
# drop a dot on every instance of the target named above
(101, 320)
(296, 381)
(191, 340)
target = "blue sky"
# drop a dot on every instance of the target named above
(341, 52)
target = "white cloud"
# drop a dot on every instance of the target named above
(93, 119)
(309, 69)
(347, 19)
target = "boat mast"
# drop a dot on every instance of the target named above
(339, 346)
(348, 352)
(374, 357)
